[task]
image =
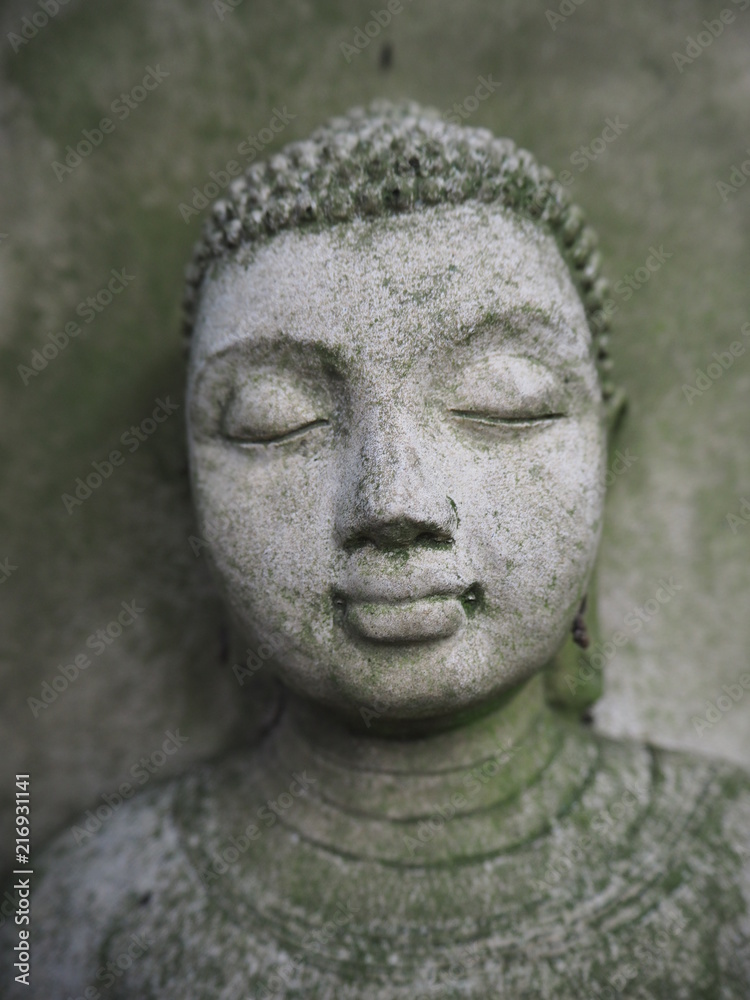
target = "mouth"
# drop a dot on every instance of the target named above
(423, 618)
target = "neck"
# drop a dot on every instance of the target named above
(374, 795)
(460, 742)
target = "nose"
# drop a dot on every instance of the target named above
(393, 493)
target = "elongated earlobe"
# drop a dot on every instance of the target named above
(580, 635)
(616, 406)
(573, 683)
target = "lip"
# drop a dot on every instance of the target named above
(379, 614)
(395, 589)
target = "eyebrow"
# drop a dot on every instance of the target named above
(257, 349)
(519, 320)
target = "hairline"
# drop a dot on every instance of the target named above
(286, 194)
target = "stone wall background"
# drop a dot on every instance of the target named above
(560, 79)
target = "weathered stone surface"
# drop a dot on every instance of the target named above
(391, 411)
(527, 858)
(397, 429)
(685, 471)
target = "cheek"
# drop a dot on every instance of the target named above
(269, 523)
(533, 515)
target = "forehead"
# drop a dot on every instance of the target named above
(398, 285)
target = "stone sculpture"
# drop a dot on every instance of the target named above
(399, 397)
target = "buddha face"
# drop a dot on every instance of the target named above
(397, 449)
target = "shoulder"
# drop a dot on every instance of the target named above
(679, 773)
(721, 845)
(696, 821)
(88, 879)
(721, 789)
(706, 795)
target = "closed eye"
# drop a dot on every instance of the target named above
(249, 439)
(489, 419)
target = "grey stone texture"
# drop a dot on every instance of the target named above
(397, 441)
(566, 88)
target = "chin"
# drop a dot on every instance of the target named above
(414, 684)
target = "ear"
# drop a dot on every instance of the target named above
(615, 408)
(571, 682)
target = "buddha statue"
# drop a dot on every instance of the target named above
(399, 404)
